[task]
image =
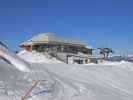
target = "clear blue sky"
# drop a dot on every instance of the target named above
(97, 22)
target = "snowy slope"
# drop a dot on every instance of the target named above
(95, 82)
(67, 82)
(35, 57)
(59, 81)
(13, 59)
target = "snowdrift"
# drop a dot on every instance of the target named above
(34, 57)
(92, 82)
(59, 81)
(13, 59)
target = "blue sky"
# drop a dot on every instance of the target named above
(97, 22)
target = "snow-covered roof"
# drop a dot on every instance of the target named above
(26, 43)
(51, 38)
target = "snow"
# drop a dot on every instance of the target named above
(13, 59)
(130, 56)
(113, 63)
(35, 57)
(59, 81)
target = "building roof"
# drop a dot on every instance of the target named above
(26, 43)
(51, 38)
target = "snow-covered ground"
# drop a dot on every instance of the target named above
(37, 57)
(13, 59)
(59, 81)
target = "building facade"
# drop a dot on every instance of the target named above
(47, 42)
